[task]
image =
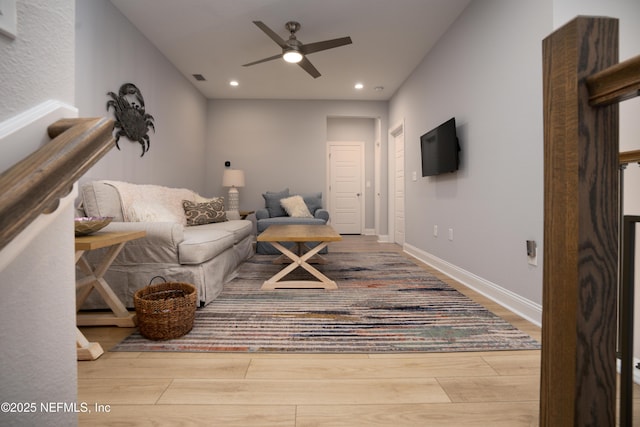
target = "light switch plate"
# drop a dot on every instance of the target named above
(8, 18)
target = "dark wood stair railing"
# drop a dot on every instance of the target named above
(627, 157)
(36, 184)
(582, 86)
(615, 84)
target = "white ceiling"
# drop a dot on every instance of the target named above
(215, 37)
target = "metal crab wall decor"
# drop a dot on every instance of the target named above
(132, 121)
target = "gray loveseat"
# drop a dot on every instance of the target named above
(275, 213)
(205, 255)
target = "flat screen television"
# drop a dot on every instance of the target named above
(440, 149)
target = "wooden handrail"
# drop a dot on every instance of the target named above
(36, 184)
(616, 83)
(627, 157)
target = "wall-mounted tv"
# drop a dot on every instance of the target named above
(440, 149)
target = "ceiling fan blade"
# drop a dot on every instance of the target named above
(327, 44)
(268, 31)
(271, 58)
(306, 65)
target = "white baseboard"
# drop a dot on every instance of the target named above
(383, 238)
(510, 300)
(369, 232)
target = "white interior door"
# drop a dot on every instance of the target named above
(399, 195)
(346, 184)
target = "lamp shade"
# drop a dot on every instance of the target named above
(233, 178)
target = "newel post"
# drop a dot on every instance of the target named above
(578, 375)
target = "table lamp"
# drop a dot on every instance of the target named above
(233, 178)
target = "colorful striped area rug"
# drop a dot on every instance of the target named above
(384, 303)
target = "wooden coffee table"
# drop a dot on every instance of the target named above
(300, 234)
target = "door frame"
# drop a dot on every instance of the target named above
(396, 130)
(377, 173)
(362, 147)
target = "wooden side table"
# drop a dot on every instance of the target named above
(94, 279)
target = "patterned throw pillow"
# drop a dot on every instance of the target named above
(204, 213)
(296, 207)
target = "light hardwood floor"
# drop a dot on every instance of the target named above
(232, 389)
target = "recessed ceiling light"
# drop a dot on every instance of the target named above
(234, 83)
(359, 86)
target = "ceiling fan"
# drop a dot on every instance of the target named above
(294, 51)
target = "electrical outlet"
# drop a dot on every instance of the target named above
(532, 252)
(451, 234)
(435, 231)
(8, 18)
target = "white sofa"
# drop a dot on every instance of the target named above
(206, 255)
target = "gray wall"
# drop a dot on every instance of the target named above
(110, 51)
(44, 43)
(280, 144)
(486, 72)
(37, 307)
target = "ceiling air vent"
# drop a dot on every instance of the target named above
(199, 77)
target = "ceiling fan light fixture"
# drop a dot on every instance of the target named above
(293, 51)
(292, 56)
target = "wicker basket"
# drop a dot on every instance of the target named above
(165, 310)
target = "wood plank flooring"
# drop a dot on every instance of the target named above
(215, 389)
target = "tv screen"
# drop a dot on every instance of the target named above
(439, 149)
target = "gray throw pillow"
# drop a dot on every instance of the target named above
(313, 201)
(272, 202)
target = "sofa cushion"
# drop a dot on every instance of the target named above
(99, 199)
(158, 246)
(205, 212)
(296, 207)
(141, 211)
(239, 228)
(272, 202)
(200, 244)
